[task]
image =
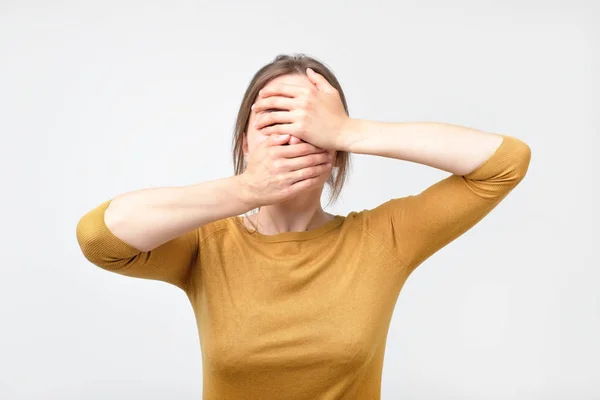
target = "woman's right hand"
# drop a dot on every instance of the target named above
(276, 173)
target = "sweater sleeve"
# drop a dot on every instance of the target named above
(170, 262)
(417, 226)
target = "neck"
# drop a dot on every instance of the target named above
(302, 213)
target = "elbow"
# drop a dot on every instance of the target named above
(98, 245)
(90, 240)
(522, 159)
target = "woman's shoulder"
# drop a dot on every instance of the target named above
(215, 228)
(377, 215)
(379, 210)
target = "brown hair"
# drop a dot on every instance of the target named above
(285, 65)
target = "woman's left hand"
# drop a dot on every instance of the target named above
(315, 115)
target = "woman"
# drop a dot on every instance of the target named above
(293, 302)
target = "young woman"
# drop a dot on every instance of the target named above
(293, 302)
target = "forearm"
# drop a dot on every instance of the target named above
(147, 218)
(455, 149)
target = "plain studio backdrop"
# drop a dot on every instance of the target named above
(100, 98)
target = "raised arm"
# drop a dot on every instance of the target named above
(151, 233)
(484, 168)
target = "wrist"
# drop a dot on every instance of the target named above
(244, 192)
(349, 135)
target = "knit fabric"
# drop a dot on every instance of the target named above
(305, 315)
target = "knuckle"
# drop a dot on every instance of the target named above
(280, 181)
(301, 116)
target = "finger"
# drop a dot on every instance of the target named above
(309, 172)
(272, 118)
(306, 184)
(273, 103)
(275, 140)
(319, 80)
(311, 160)
(295, 140)
(298, 150)
(283, 89)
(281, 129)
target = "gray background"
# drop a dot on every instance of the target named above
(99, 98)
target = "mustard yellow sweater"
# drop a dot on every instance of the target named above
(305, 315)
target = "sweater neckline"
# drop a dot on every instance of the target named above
(333, 223)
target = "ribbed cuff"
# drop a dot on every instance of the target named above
(98, 243)
(511, 155)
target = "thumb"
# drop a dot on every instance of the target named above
(320, 82)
